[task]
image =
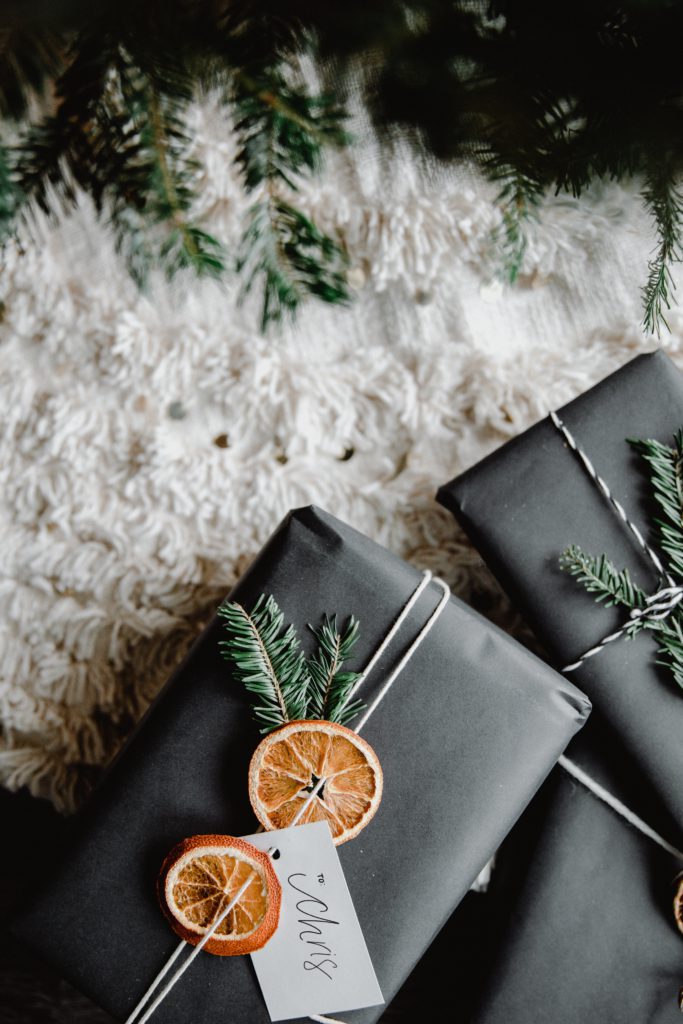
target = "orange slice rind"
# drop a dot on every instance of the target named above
(290, 760)
(200, 877)
(678, 903)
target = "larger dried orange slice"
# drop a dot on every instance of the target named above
(289, 762)
(202, 875)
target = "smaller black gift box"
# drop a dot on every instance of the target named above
(529, 501)
(467, 734)
(587, 935)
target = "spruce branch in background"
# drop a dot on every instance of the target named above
(611, 586)
(283, 133)
(663, 198)
(541, 99)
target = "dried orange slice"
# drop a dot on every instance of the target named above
(202, 875)
(678, 903)
(288, 763)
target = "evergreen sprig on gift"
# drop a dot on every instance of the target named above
(612, 586)
(268, 660)
(330, 684)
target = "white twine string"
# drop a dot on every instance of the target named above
(207, 935)
(621, 809)
(134, 1017)
(658, 606)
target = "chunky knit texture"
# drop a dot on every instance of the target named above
(151, 442)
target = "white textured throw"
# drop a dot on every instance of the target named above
(151, 995)
(151, 442)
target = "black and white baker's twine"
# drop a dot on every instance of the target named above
(660, 604)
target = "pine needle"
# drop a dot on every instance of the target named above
(600, 577)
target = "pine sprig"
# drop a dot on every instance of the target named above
(330, 685)
(283, 132)
(666, 476)
(268, 660)
(600, 577)
(154, 167)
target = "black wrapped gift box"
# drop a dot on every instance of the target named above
(466, 736)
(586, 934)
(591, 937)
(525, 504)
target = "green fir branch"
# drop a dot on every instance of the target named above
(600, 577)
(118, 133)
(30, 58)
(283, 129)
(268, 660)
(666, 478)
(283, 133)
(517, 201)
(74, 144)
(284, 252)
(663, 199)
(155, 172)
(330, 685)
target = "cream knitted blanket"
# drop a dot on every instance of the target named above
(151, 442)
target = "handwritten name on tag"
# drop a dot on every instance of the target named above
(317, 961)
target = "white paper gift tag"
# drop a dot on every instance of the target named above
(317, 960)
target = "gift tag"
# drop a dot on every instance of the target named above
(317, 961)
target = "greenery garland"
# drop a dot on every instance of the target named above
(542, 97)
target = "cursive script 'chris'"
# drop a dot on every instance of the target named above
(314, 921)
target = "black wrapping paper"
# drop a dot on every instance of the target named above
(531, 499)
(466, 736)
(590, 938)
(587, 936)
